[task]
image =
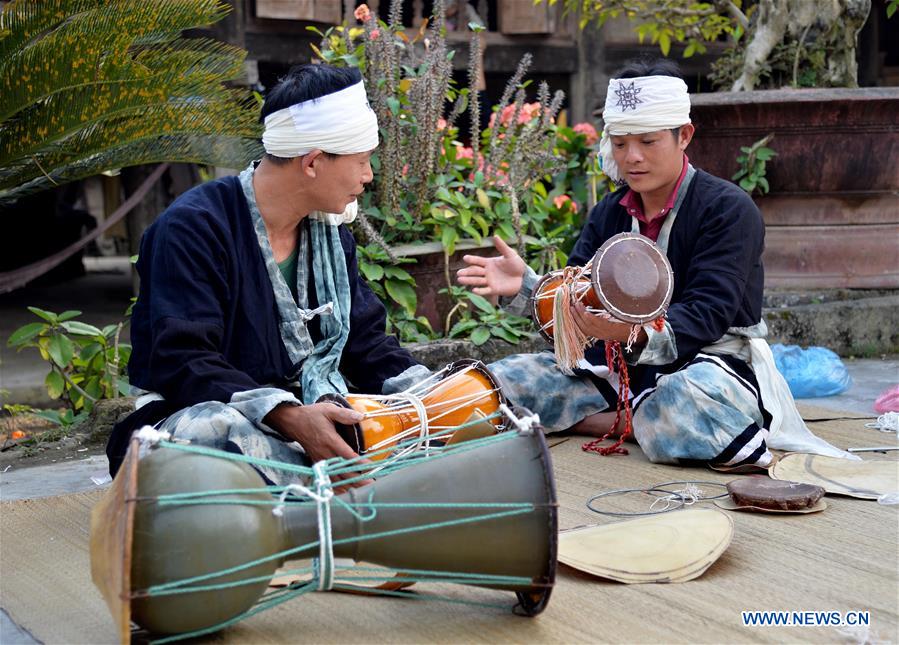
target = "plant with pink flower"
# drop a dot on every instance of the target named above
(588, 131)
(362, 13)
(563, 202)
(528, 113)
(439, 178)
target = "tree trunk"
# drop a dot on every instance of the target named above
(831, 24)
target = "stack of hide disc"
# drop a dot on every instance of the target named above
(772, 496)
(865, 479)
(670, 547)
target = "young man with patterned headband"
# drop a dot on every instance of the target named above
(251, 305)
(705, 387)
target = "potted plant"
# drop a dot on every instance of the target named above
(441, 188)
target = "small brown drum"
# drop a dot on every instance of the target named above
(461, 393)
(762, 492)
(629, 277)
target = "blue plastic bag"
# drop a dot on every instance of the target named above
(811, 372)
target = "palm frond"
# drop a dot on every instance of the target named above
(142, 123)
(206, 149)
(85, 83)
(89, 47)
(24, 20)
(178, 77)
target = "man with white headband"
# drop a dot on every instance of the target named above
(251, 306)
(705, 387)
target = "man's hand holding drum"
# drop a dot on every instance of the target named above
(602, 326)
(312, 426)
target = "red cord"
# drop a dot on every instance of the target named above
(615, 361)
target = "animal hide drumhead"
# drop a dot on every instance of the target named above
(670, 547)
(864, 479)
(764, 493)
(632, 278)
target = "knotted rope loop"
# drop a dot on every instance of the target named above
(888, 422)
(323, 565)
(615, 361)
(524, 424)
(150, 436)
(422, 412)
(325, 310)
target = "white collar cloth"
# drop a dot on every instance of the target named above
(340, 123)
(640, 105)
(336, 219)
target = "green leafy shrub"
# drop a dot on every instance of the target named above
(86, 363)
(525, 177)
(479, 320)
(753, 166)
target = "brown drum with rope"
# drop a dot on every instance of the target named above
(544, 298)
(629, 278)
(459, 394)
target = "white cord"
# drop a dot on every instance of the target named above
(690, 494)
(632, 337)
(150, 436)
(526, 424)
(888, 422)
(422, 413)
(324, 564)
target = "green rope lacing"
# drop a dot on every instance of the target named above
(332, 467)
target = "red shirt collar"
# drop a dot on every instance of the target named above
(634, 205)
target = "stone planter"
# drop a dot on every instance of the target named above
(439, 353)
(832, 215)
(851, 322)
(430, 273)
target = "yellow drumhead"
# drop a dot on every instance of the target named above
(670, 547)
(865, 479)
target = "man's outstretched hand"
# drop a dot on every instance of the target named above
(312, 426)
(497, 276)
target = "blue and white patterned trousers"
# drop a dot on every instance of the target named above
(220, 426)
(709, 410)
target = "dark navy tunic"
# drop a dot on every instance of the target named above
(715, 251)
(206, 323)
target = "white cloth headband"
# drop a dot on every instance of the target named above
(341, 123)
(640, 105)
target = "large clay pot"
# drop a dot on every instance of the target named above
(832, 215)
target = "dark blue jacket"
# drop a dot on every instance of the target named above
(206, 323)
(715, 249)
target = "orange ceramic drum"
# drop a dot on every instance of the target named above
(463, 391)
(545, 297)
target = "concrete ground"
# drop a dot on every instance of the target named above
(104, 295)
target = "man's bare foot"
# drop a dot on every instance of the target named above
(597, 425)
